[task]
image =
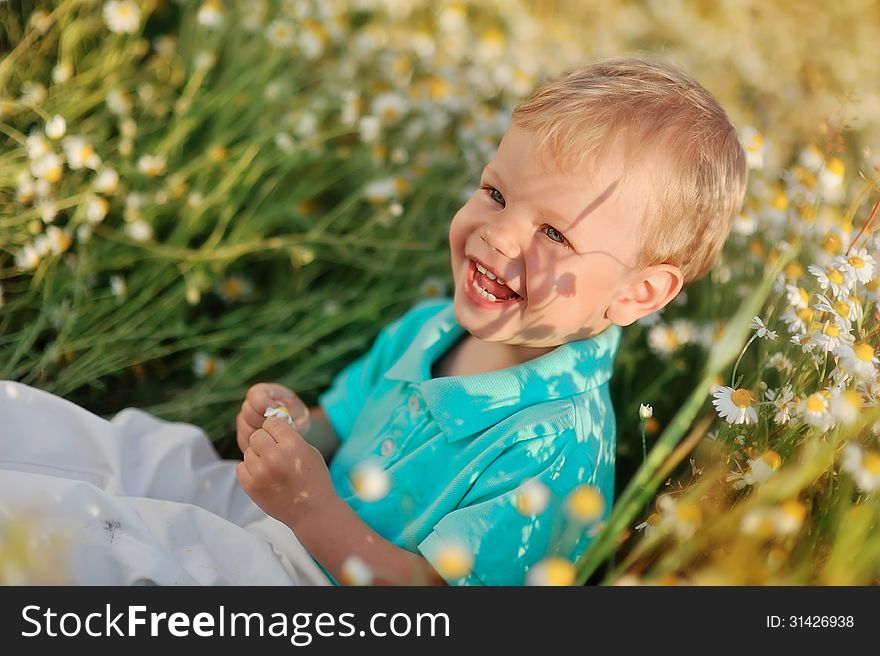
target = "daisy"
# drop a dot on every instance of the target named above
(651, 525)
(780, 362)
(815, 411)
(833, 334)
(369, 481)
(454, 561)
(532, 498)
(862, 465)
(58, 239)
(279, 411)
(106, 181)
(151, 165)
(759, 470)
(139, 230)
(370, 127)
(551, 571)
(762, 330)
(753, 143)
(25, 188)
(210, 14)
(122, 16)
(663, 340)
(390, 107)
(119, 102)
(845, 406)
(797, 296)
(798, 320)
(96, 209)
(858, 360)
(784, 519)
(737, 406)
(118, 287)
(28, 258)
(831, 178)
(645, 411)
(356, 572)
(585, 504)
(280, 33)
(811, 158)
(207, 365)
(49, 168)
(831, 277)
(432, 287)
(80, 154)
(234, 288)
(858, 265)
(56, 127)
(684, 516)
(784, 402)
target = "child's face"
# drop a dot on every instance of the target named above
(564, 242)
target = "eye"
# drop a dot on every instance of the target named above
(553, 231)
(491, 192)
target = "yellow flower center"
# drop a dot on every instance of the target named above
(743, 398)
(831, 244)
(835, 166)
(831, 330)
(852, 398)
(871, 462)
(794, 270)
(794, 509)
(233, 287)
(856, 262)
(780, 201)
(835, 276)
(873, 284)
(772, 459)
(841, 308)
(558, 571)
(586, 503)
(805, 314)
(864, 352)
(816, 403)
(688, 512)
(654, 519)
(454, 562)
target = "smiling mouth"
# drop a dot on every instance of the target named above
(489, 289)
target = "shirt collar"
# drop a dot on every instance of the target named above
(465, 405)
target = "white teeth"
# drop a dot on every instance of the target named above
(489, 274)
(484, 293)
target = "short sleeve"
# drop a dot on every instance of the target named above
(344, 399)
(504, 537)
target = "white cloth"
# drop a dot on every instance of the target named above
(136, 500)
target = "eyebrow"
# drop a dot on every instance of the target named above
(544, 213)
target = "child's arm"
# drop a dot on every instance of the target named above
(334, 533)
(288, 478)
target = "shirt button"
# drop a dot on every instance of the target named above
(414, 404)
(387, 447)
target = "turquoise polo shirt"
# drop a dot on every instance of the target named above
(458, 449)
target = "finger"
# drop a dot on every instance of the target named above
(243, 475)
(262, 395)
(242, 433)
(262, 442)
(279, 429)
(253, 417)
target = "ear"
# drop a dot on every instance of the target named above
(653, 288)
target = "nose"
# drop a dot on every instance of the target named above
(501, 238)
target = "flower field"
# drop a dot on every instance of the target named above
(199, 195)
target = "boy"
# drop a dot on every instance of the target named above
(487, 416)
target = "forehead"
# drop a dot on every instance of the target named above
(591, 195)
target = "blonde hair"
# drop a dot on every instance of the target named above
(690, 162)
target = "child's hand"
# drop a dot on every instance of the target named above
(260, 397)
(283, 474)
